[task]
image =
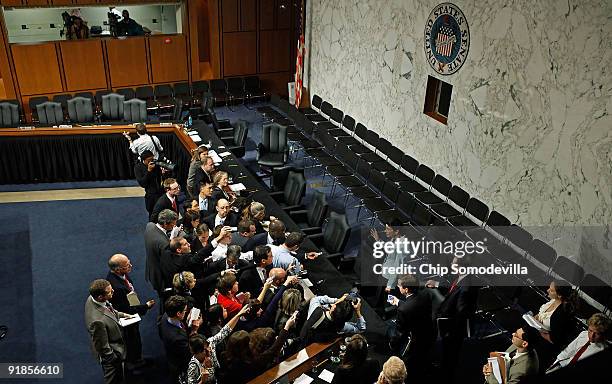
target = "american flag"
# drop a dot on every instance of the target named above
(445, 40)
(301, 52)
(299, 70)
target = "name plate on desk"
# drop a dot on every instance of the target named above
(166, 124)
(25, 128)
(65, 126)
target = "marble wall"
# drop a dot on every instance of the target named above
(529, 128)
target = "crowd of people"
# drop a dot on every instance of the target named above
(231, 304)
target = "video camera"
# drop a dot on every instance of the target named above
(113, 23)
(165, 164)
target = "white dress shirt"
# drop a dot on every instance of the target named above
(145, 142)
(570, 351)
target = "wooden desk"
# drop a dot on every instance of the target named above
(297, 364)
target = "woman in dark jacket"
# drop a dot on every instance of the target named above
(356, 368)
(557, 316)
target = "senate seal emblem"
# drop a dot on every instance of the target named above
(447, 38)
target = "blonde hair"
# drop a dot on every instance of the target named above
(188, 278)
(256, 208)
(290, 301)
(393, 372)
(218, 176)
(600, 322)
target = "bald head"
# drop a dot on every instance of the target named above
(278, 275)
(223, 207)
(120, 264)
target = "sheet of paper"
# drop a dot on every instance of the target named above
(196, 138)
(215, 157)
(303, 379)
(533, 322)
(237, 187)
(225, 154)
(307, 282)
(326, 376)
(195, 313)
(125, 322)
(495, 368)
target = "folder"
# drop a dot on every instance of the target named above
(132, 298)
(499, 365)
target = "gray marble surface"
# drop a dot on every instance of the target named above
(529, 128)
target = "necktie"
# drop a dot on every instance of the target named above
(111, 310)
(580, 352)
(453, 285)
(127, 282)
(220, 220)
(174, 205)
(204, 205)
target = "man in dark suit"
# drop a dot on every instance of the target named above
(252, 279)
(232, 262)
(275, 236)
(178, 258)
(224, 216)
(414, 324)
(149, 176)
(204, 200)
(203, 174)
(168, 200)
(245, 231)
(102, 322)
(458, 306)
(157, 241)
(175, 335)
(119, 279)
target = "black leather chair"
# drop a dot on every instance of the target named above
(164, 97)
(253, 89)
(50, 113)
(290, 198)
(135, 111)
(127, 92)
(33, 102)
(112, 107)
(63, 100)
(235, 90)
(80, 110)
(218, 88)
(310, 220)
(235, 143)
(273, 151)
(9, 114)
(146, 94)
(183, 91)
(333, 240)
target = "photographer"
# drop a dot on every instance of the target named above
(144, 142)
(150, 177)
(328, 317)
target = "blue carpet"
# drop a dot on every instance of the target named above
(51, 252)
(73, 185)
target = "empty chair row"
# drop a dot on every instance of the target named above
(82, 110)
(375, 171)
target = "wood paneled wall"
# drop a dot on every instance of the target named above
(258, 37)
(82, 65)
